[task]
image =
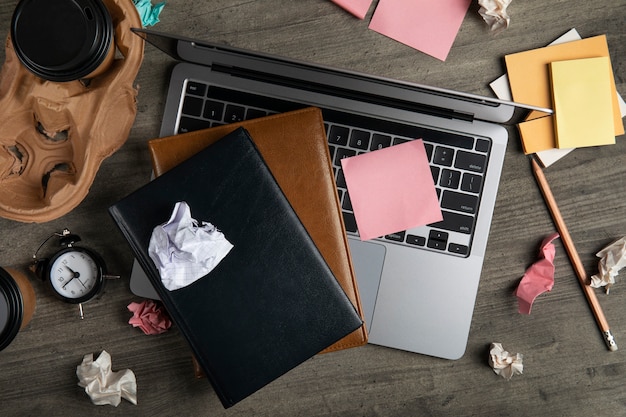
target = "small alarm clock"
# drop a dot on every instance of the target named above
(75, 274)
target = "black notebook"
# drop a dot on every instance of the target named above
(272, 302)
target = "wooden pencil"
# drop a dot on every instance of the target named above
(573, 256)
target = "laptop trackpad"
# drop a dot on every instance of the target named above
(368, 259)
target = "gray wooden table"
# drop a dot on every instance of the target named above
(568, 371)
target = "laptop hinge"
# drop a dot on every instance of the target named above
(360, 96)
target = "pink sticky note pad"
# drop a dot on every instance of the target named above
(427, 25)
(391, 189)
(358, 8)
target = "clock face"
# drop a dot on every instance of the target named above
(75, 275)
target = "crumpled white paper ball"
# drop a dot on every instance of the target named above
(103, 385)
(503, 363)
(494, 14)
(185, 250)
(613, 259)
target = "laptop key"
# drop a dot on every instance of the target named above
(470, 161)
(396, 237)
(360, 139)
(438, 235)
(188, 124)
(234, 113)
(254, 114)
(450, 178)
(443, 156)
(380, 141)
(338, 135)
(453, 200)
(455, 222)
(331, 151)
(447, 138)
(213, 110)
(343, 153)
(429, 151)
(415, 240)
(196, 88)
(471, 183)
(435, 173)
(482, 145)
(192, 106)
(437, 240)
(347, 203)
(350, 222)
(458, 249)
(341, 180)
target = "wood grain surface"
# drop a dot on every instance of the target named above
(568, 371)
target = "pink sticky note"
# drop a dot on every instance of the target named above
(427, 25)
(358, 8)
(391, 189)
(539, 277)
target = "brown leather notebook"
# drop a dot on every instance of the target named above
(294, 147)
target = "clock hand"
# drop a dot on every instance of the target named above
(81, 283)
(68, 281)
(74, 275)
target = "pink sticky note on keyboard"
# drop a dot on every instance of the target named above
(427, 25)
(358, 8)
(391, 189)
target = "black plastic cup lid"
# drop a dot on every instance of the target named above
(61, 40)
(11, 309)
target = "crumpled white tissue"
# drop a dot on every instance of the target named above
(185, 250)
(613, 258)
(503, 363)
(494, 13)
(103, 385)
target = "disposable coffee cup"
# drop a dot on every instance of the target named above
(17, 304)
(63, 40)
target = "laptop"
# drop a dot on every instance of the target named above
(418, 287)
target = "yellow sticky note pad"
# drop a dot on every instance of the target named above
(583, 105)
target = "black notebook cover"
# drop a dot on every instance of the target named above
(272, 302)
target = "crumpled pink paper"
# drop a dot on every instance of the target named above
(149, 316)
(102, 384)
(539, 277)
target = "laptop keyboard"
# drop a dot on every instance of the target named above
(458, 162)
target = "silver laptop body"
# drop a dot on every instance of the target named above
(418, 287)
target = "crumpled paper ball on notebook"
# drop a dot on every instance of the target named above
(185, 250)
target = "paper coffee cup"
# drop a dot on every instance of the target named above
(17, 304)
(63, 40)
